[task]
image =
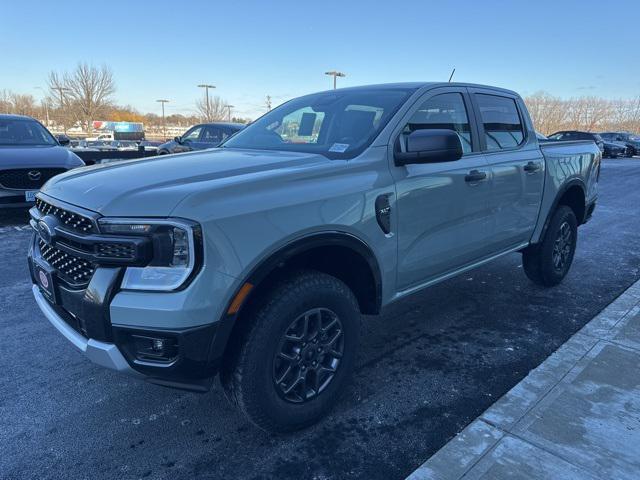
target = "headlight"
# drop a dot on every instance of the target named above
(176, 246)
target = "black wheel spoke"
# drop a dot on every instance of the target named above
(284, 375)
(293, 338)
(300, 379)
(333, 339)
(335, 354)
(286, 357)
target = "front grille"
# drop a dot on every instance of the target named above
(70, 219)
(27, 178)
(116, 250)
(72, 269)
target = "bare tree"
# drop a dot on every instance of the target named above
(84, 94)
(551, 114)
(20, 104)
(215, 110)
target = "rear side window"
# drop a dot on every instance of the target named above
(444, 111)
(502, 124)
(213, 135)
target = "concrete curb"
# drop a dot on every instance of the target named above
(500, 437)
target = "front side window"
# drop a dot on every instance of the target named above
(338, 124)
(502, 124)
(444, 111)
(15, 132)
(192, 135)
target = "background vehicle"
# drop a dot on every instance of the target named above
(631, 141)
(124, 145)
(578, 135)
(102, 137)
(541, 137)
(614, 149)
(150, 146)
(199, 137)
(29, 156)
(256, 259)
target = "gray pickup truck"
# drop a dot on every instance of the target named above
(255, 260)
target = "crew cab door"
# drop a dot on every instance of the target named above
(516, 164)
(442, 207)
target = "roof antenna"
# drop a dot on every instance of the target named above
(452, 72)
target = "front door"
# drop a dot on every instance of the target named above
(442, 207)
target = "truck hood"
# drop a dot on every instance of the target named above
(155, 186)
(37, 157)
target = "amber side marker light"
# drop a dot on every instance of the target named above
(239, 298)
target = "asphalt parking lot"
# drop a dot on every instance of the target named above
(427, 368)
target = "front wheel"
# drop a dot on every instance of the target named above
(296, 353)
(548, 262)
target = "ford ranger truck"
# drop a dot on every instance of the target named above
(256, 260)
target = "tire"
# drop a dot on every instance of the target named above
(548, 262)
(262, 383)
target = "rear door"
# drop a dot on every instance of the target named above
(516, 163)
(442, 207)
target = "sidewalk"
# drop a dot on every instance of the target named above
(576, 416)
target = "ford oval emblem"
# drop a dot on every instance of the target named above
(45, 231)
(43, 279)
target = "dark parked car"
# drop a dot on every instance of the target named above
(615, 149)
(578, 135)
(199, 137)
(29, 156)
(631, 141)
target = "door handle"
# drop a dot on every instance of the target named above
(532, 167)
(475, 176)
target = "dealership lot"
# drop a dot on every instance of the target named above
(427, 368)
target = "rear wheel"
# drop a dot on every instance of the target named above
(296, 353)
(548, 262)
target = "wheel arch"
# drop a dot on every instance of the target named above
(572, 194)
(340, 254)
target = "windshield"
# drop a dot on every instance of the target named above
(338, 124)
(24, 132)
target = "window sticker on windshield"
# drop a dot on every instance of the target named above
(339, 147)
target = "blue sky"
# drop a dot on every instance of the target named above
(250, 49)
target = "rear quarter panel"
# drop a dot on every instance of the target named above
(567, 163)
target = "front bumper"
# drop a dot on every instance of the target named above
(83, 318)
(13, 199)
(101, 353)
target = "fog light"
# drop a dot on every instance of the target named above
(155, 349)
(158, 345)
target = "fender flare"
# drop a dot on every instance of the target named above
(556, 201)
(272, 260)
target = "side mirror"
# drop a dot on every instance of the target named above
(177, 139)
(64, 140)
(430, 146)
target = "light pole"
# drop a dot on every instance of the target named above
(45, 101)
(164, 127)
(335, 74)
(229, 107)
(206, 94)
(60, 89)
